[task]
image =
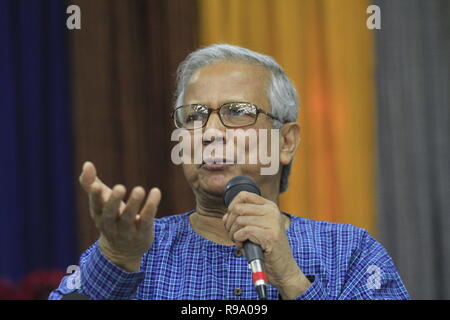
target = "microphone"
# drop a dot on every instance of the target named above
(253, 252)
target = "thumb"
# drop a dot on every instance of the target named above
(88, 176)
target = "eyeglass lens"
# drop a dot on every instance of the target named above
(231, 115)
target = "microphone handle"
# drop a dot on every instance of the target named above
(255, 258)
(253, 251)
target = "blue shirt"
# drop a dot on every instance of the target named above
(341, 260)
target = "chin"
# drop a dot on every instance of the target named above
(214, 183)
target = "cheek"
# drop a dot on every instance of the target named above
(262, 148)
(250, 170)
(190, 172)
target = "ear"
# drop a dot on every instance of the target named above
(289, 142)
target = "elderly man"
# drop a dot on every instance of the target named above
(198, 254)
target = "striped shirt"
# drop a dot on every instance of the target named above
(341, 260)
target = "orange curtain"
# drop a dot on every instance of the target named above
(327, 50)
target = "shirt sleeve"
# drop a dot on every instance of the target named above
(371, 275)
(100, 279)
(315, 291)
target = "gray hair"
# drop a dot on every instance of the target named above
(281, 93)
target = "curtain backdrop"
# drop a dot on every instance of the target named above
(413, 79)
(326, 49)
(374, 115)
(123, 69)
(36, 179)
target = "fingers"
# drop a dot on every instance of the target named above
(131, 212)
(245, 203)
(252, 233)
(240, 209)
(150, 208)
(133, 205)
(248, 197)
(250, 212)
(244, 221)
(109, 203)
(111, 209)
(96, 201)
(97, 191)
(88, 176)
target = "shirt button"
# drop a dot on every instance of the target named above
(237, 253)
(237, 291)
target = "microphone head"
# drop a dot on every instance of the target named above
(236, 185)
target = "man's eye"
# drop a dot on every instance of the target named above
(194, 117)
(238, 111)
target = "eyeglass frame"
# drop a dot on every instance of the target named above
(211, 110)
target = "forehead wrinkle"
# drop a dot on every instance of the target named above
(212, 81)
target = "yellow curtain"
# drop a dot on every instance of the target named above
(327, 50)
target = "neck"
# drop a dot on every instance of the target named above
(207, 218)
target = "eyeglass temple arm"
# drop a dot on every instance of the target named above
(267, 114)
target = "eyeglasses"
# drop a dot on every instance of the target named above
(231, 114)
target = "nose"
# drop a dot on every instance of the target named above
(214, 121)
(213, 126)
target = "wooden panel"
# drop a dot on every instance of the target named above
(124, 60)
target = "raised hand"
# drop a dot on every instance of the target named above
(126, 229)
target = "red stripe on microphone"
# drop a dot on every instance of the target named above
(259, 276)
